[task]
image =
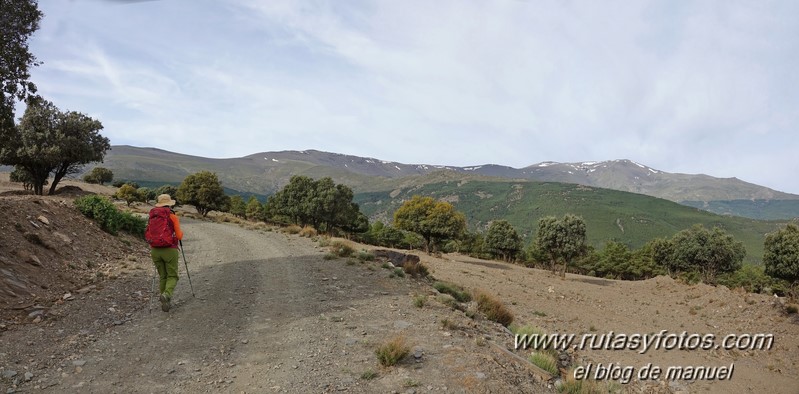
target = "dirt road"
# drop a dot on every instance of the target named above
(270, 315)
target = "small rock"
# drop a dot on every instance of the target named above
(63, 237)
(417, 354)
(8, 374)
(480, 375)
(36, 313)
(38, 319)
(43, 220)
(401, 325)
(118, 322)
(67, 297)
(78, 363)
(28, 376)
(86, 289)
(245, 341)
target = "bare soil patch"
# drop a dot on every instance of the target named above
(272, 313)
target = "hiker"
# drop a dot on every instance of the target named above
(163, 234)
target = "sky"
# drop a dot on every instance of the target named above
(681, 86)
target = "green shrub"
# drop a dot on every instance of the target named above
(369, 375)
(792, 309)
(132, 224)
(545, 361)
(365, 255)
(398, 272)
(447, 300)
(101, 210)
(454, 290)
(110, 219)
(393, 351)
(750, 277)
(419, 300)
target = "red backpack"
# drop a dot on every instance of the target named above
(160, 231)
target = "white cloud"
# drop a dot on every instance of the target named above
(693, 87)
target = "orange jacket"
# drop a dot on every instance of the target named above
(176, 224)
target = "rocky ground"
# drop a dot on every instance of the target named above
(272, 314)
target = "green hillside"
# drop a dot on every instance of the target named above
(756, 209)
(630, 218)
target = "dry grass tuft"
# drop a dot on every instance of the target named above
(493, 308)
(342, 248)
(293, 229)
(308, 232)
(416, 269)
(392, 352)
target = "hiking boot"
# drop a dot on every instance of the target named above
(164, 302)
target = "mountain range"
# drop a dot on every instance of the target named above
(264, 173)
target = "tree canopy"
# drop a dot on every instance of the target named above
(48, 141)
(20, 19)
(204, 191)
(433, 220)
(502, 240)
(253, 209)
(562, 240)
(99, 175)
(320, 203)
(781, 257)
(237, 206)
(698, 249)
(129, 193)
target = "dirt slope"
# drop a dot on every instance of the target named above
(588, 305)
(271, 315)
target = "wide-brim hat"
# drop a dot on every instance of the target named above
(165, 200)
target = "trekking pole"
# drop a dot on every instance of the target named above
(152, 290)
(187, 268)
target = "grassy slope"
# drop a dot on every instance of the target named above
(606, 211)
(756, 209)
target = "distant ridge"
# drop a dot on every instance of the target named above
(266, 172)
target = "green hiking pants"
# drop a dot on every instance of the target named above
(166, 262)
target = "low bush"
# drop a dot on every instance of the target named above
(570, 385)
(419, 300)
(365, 255)
(455, 291)
(416, 269)
(493, 308)
(293, 229)
(308, 232)
(132, 224)
(110, 219)
(342, 249)
(393, 351)
(329, 256)
(545, 361)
